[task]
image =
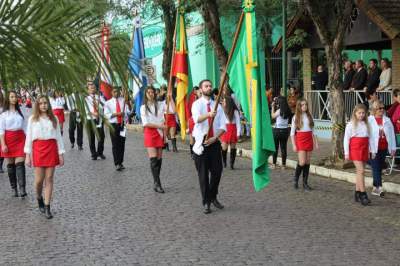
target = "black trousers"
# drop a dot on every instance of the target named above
(118, 143)
(209, 170)
(281, 136)
(73, 124)
(92, 138)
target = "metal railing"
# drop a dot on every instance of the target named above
(320, 102)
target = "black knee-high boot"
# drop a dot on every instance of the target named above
(13, 178)
(306, 171)
(174, 148)
(158, 175)
(233, 157)
(154, 163)
(1, 164)
(20, 170)
(224, 153)
(297, 175)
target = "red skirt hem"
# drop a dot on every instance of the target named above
(171, 121)
(45, 153)
(230, 136)
(15, 141)
(59, 113)
(152, 138)
(304, 141)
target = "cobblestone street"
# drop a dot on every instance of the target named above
(104, 217)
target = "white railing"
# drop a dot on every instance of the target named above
(320, 102)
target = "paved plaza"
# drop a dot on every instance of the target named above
(103, 217)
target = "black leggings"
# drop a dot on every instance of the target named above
(281, 136)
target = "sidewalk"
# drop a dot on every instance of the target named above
(391, 183)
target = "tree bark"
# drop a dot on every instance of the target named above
(210, 14)
(169, 17)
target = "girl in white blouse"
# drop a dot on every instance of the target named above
(12, 135)
(44, 150)
(357, 147)
(152, 114)
(303, 140)
(57, 103)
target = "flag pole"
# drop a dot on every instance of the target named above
(169, 89)
(224, 73)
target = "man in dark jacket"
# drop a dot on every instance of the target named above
(320, 79)
(373, 78)
(348, 75)
(360, 77)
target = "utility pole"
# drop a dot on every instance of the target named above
(284, 60)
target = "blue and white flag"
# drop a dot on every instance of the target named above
(136, 64)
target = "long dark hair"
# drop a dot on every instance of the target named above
(1, 99)
(285, 111)
(230, 108)
(146, 101)
(7, 103)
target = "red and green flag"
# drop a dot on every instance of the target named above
(245, 80)
(181, 69)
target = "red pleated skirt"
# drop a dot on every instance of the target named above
(15, 141)
(171, 121)
(304, 141)
(191, 125)
(45, 153)
(152, 138)
(59, 113)
(230, 135)
(359, 149)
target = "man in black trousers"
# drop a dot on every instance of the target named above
(207, 148)
(75, 123)
(116, 111)
(94, 107)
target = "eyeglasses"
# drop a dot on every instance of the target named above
(381, 108)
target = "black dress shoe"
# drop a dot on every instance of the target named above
(118, 167)
(41, 205)
(122, 166)
(72, 145)
(217, 204)
(102, 157)
(80, 148)
(94, 158)
(206, 208)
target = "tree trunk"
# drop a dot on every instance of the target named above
(169, 17)
(334, 62)
(209, 11)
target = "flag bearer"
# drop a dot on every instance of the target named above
(116, 111)
(152, 115)
(207, 152)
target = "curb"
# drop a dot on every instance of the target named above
(389, 187)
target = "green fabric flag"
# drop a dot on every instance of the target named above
(245, 81)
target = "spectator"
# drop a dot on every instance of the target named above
(293, 96)
(386, 76)
(348, 75)
(320, 79)
(360, 77)
(394, 111)
(373, 78)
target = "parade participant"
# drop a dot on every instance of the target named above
(383, 141)
(1, 110)
(357, 148)
(44, 148)
(152, 114)
(12, 135)
(303, 140)
(94, 105)
(196, 94)
(207, 151)
(171, 121)
(233, 129)
(281, 114)
(57, 103)
(75, 122)
(116, 111)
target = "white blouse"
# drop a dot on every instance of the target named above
(361, 131)
(305, 128)
(43, 130)
(110, 108)
(57, 103)
(151, 117)
(12, 121)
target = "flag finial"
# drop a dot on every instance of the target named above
(248, 5)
